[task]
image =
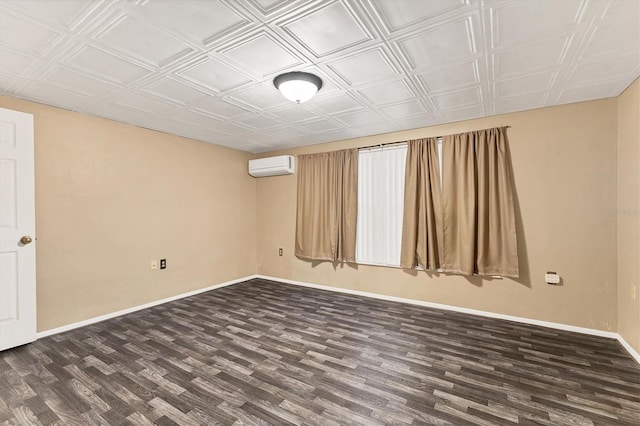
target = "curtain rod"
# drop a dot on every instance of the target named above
(381, 145)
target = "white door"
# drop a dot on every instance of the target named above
(17, 230)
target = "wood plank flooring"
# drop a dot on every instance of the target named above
(261, 352)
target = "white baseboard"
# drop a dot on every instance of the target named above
(137, 308)
(555, 325)
(629, 348)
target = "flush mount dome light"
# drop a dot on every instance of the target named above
(298, 86)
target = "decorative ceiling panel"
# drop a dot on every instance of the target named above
(359, 118)
(75, 81)
(259, 123)
(124, 114)
(450, 77)
(53, 12)
(388, 92)
(201, 21)
(263, 55)
(376, 128)
(414, 122)
(523, 85)
(614, 68)
(334, 104)
(130, 35)
(400, 14)
(281, 137)
(543, 17)
(466, 113)
(174, 91)
(23, 35)
(266, 5)
(52, 95)
(611, 38)
(328, 29)
(365, 67)
(403, 109)
(13, 62)
(544, 54)
(295, 113)
(214, 74)
(104, 65)
(228, 128)
(274, 8)
(141, 102)
(260, 97)
(590, 92)
(519, 103)
(191, 117)
(320, 126)
(205, 69)
(440, 45)
(220, 108)
(457, 100)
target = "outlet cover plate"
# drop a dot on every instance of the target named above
(552, 278)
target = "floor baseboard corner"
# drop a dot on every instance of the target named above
(559, 326)
(110, 315)
(629, 348)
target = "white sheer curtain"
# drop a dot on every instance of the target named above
(380, 205)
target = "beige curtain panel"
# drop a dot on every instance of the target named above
(422, 218)
(479, 228)
(327, 206)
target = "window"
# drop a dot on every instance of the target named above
(459, 206)
(380, 205)
(381, 176)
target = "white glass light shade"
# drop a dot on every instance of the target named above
(298, 86)
(297, 90)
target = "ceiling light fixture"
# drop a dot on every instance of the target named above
(298, 86)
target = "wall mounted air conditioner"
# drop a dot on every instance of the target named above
(272, 166)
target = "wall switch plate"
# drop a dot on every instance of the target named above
(280, 252)
(154, 265)
(163, 263)
(552, 278)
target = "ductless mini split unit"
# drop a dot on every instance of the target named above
(272, 166)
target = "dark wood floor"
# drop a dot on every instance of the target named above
(269, 353)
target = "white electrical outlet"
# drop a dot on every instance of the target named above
(634, 292)
(552, 278)
(154, 264)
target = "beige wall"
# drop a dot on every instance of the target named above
(628, 215)
(111, 197)
(564, 161)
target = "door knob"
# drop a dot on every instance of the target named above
(26, 239)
